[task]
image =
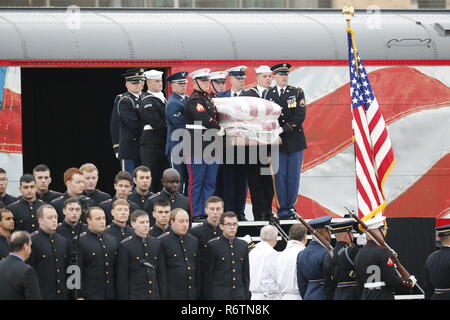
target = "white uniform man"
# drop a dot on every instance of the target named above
(263, 263)
(286, 270)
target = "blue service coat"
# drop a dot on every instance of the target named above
(175, 119)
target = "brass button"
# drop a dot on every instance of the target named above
(43, 256)
(59, 291)
(189, 268)
(32, 225)
(174, 255)
(137, 258)
(234, 270)
(234, 287)
(190, 287)
(32, 216)
(107, 264)
(234, 279)
(232, 262)
(231, 246)
(57, 270)
(146, 254)
(186, 259)
(106, 254)
(150, 282)
(223, 259)
(149, 291)
(232, 254)
(107, 281)
(93, 253)
(107, 272)
(190, 278)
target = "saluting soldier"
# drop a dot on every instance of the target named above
(71, 225)
(338, 265)
(43, 179)
(227, 274)
(293, 142)
(24, 210)
(310, 262)
(49, 255)
(5, 198)
(90, 176)
(142, 178)
(161, 215)
(178, 257)
(137, 274)
(118, 228)
(437, 268)
(6, 227)
(376, 276)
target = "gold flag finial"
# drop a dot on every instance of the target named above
(348, 11)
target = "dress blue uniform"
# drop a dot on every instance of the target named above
(115, 126)
(310, 265)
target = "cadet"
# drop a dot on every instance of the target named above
(96, 255)
(154, 135)
(261, 186)
(178, 258)
(24, 210)
(376, 276)
(130, 127)
(437, 268)
(43, 179)
(90, 176)
(310, 262)
(338, 270)
(227, 275)
(161, 215)
(142, 177)
(5, 198)
(49, 255)
(175, 120)
(204, 232)
(118, 229)
(201, 115)
(71, 225)
(137, 260)
(292, 102)
(218, 82)
(6, 227)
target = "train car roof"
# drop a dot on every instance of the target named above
(225, 34)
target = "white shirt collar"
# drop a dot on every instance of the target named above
(136, 94)
(279, 88)
(233, 92)
(159, 95)
(260, 89)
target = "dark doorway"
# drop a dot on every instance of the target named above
(66, 120)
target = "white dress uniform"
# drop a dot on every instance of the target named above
(287, 271)
(263, 264)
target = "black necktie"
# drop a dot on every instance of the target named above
(281, 92)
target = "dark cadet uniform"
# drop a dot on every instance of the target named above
(70, 231)
(310, 265)
(227, 274)
(97, 196)
(58, 204)
(48, 196)
(137, 276)
(114, 127)
(96, 258)
(25, 214)
(177, 200)
(8, 199)
(203, 232)
(156, 231)
(178, 260)
(437, 269)
(4, 250)
(118, 233)
(50, 257)
(107, 205)
(139, 199)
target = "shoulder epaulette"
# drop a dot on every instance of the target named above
(197, 226)
(34, 233)
(81, 235)
(57, 199)
(165, 234)
(107, 227)
(39, 200)
(156, 194)
(214, 239)
(126, 239)
(59, 224)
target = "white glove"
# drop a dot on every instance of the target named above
(361, 240)
(280, 130)
(413, 280)
(117, 155)
(221, 132)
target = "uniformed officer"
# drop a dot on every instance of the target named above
(130, 127)
(218, 82)
(90, 176)
(175, 120)
(376, 276)
(227, 275)
(142, 177)
(161, 215)
(290, 156)
(6, 227)
(310, 262)
(338, 266)
(137, 276)
(171, 183)
(43, 179)
(71, 225)
(261, 186)
(49, 255)
(178, 257)
(118, 229)
(154, 136)
(5, 198)
(209, 229)
(96, 255)
(437, 268)
(24, 210)
(237, 81)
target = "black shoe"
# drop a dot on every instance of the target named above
(198, 219)
(287, 217)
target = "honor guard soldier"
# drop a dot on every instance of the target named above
(137, 276)
(96, 255)
(130, 127)
(43, 179)
(142, 178)
(227, 274)
(153, 140)
(5, 198)
(437, 268)
(161, 215)
(24, 210)
(118, 228)
(178, 259)
(376, 276)
(71, 225)
(114, 127)
(261, 186)
(218, 82)
(90, 175)
(175, 120)
(338, 265)
(293, 142)
(310, 262)
(50, 255)
(6, 227)
(237, 81)
(201, 114)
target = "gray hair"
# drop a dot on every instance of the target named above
(269, 233)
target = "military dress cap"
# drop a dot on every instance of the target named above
(134, 75)
(218, 76)
(443, 230)
(153, 74)
(376, 222)
(320, 223)
(281, 68)
(263, 69)
(179, 77)
(201, 74)
(237, 72)
(342, 226)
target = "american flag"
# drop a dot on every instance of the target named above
(373, 148)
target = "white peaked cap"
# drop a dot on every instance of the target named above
(376, 222)
(238, 68)
(263, 69)
(153, 74)
(200, 73)
(218, 75)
